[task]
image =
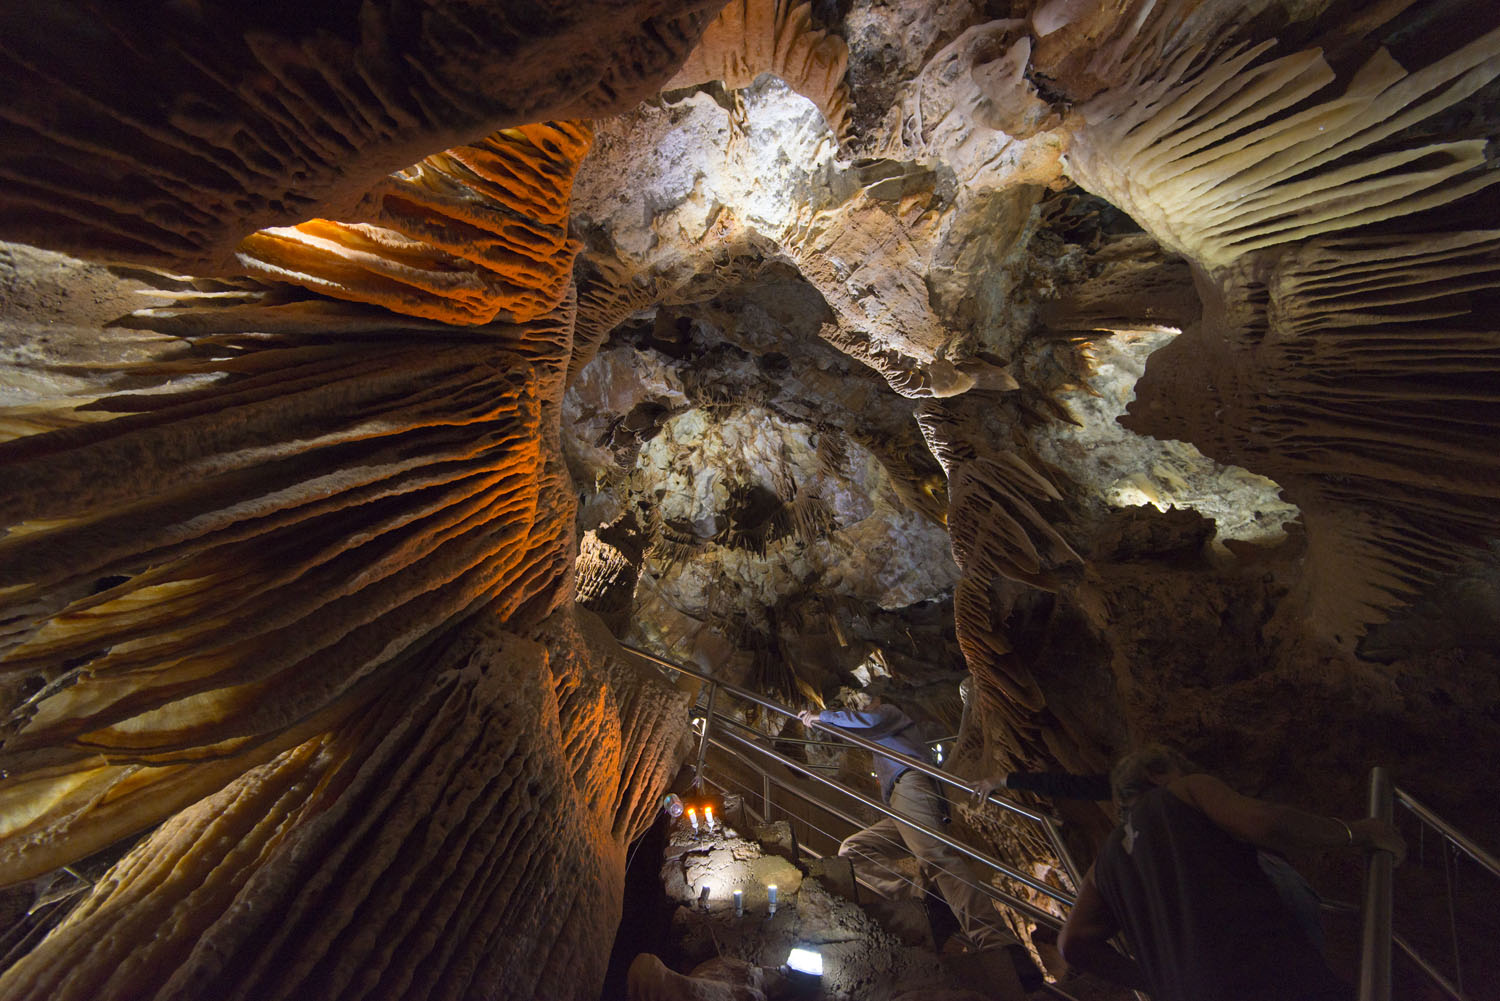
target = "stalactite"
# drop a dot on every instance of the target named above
(998, 532)
(434, 844)
(1136, 287)
(1219, 153)
(320, 574)
(377, 492)
(751, 37)
(1357, 373)
(603, 304)
(470, 235)
(164, 136)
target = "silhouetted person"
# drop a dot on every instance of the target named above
(1294, 889)
(1180, 878)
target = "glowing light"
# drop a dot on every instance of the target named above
(703, 896)
(708, 817)
(739, 903)
(771, 897)
(806, 961)
(693, 817)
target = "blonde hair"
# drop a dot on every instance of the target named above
(1137, 772)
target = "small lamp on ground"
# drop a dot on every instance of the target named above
(805, 971)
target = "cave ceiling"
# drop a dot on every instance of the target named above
(1134, 361)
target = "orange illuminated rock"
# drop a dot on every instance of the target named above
(467, 236)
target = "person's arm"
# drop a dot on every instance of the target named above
(1084, 941)
(1279, 827)
(883, 716)
(1061, 785)
(1057, 785)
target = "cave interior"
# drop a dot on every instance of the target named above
(372, 374)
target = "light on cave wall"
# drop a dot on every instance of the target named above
(1136, 490)
(1132, 470)
(808, 961)
(872, 667)
(762, 179)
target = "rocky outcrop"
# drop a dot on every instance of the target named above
(163, 136)
(470, 235)
(1299, 367)
(435, 842)
(287, 558)
(751, 37)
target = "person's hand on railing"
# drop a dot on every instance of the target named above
(808, 717)
(1375, 835)
(984, 787)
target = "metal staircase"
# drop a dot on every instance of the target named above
(1378, 935)
(756, 753)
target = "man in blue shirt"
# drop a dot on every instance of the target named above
(915, 795)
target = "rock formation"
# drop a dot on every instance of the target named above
(411, 356)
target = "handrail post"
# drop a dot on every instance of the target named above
(1375, 951)
(1070, 866)
(708, 718)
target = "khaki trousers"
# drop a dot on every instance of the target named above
(916, 796)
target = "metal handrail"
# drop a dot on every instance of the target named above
(875, 804)
(1375, 938)
(1467, 846)
(1447, 986)
(1014, 902)
(843, 815)
(801, 766)
(1049, 824)
(1377, 933)
(1449, 835)
(915, 763)
(713, 692)
(802, 794)
(1047, 987)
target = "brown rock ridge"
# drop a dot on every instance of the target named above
(165, 135)
(473, 234)
(286, 583)
(751, 37)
